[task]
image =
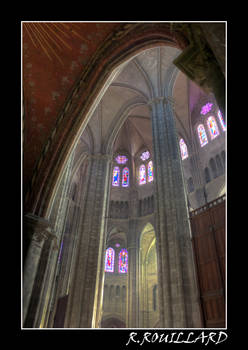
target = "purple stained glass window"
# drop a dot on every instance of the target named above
(116, 176)
(123, 261)
(202, 135)
(184, 149)
(150, 171)
(145, 155)
(142, 174)
(109, 260)
(125, 177)
(223, 125)
(121, 159)
(213, 128)
(206, 108)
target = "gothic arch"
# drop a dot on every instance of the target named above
(148, 277)
(75, 114)
(119, 120)
(113, 321)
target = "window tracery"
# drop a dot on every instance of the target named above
(125, 177)
(202, 135)
(109, 260)
(212, 126)
(123, 261)
(116, 176)
(150, 171)
(142, 174)
(183, 149)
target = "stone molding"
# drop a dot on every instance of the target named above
(38, 228)
(157, 99)
(100, 156)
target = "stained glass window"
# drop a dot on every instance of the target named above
(121, 159)
(202, 135)
(142, 175)
(223, 125)
(125, 177)
(109, 260)
(206, 108)
(184, 149)
(116, 176)
(123, 261)
(150, 171)
(145, 155)
(213, 128)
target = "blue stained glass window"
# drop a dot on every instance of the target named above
(202, 135)
(125, 177)
(213, 128)
(150, 171)
(116, 176)
(123, 261)
(184, 149)
(109, 260)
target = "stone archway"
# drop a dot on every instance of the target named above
(74, 118)
(148, 277)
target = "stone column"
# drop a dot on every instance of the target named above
(39, 230)
(85, 294)
(57, 214)
(132, 248)
(177, 286)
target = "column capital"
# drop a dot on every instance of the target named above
(37, 228)
(98, 156)
(164, 99)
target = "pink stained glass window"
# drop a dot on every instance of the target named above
(145, 155)
(109, 260)
(123, 261)
(142, 174)
(183, 149)
(150, 171)
(206, 108)
(223, 125)
(202, 135)
(125, 177)
(116, 176)
(213, 128)
(121, 159)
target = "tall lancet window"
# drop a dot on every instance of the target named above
(125, 177)
(202, 135)
(150, 171)
(183, 149)
(142, 174)
(109, 260)
(123, 261)
(222, 123)
(213, 128)
(116, 176)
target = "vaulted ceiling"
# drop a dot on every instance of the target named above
(127, 99)
(55, 57)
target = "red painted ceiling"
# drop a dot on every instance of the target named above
(54, 55)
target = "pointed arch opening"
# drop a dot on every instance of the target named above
(148, 277)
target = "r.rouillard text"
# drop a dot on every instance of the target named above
(178, 337)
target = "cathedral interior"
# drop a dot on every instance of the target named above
(124, 175)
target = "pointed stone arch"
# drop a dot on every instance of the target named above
(148, 277)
